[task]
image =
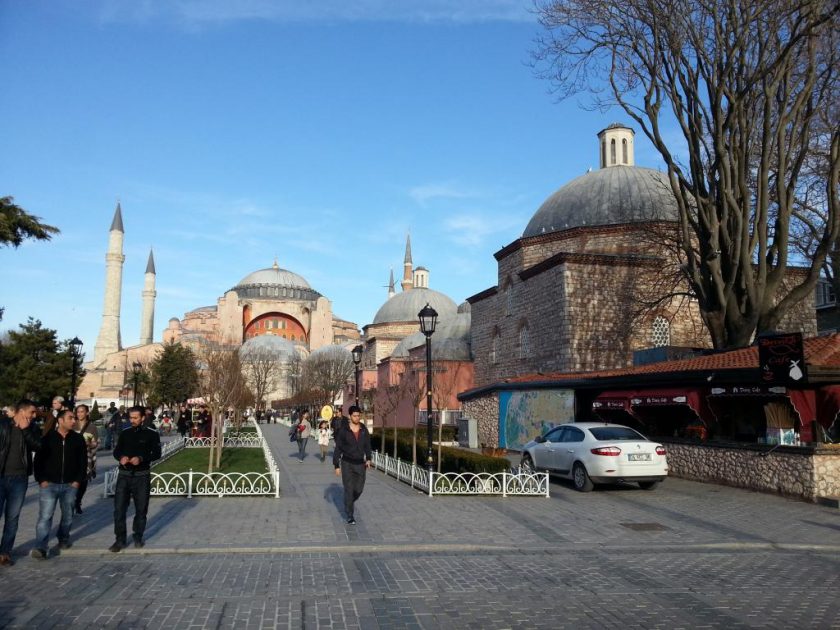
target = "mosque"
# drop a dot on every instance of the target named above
(272, 309)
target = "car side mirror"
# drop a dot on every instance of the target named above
(539, 439)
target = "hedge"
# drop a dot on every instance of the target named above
(452, 459)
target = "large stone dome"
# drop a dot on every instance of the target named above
(405, 306)
(275, 282)
(608, 196)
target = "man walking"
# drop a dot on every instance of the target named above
(351, 459)
(111, 418)
(137, 447)
(19, 437)
(60, 468)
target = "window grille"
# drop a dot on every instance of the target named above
(661, 334)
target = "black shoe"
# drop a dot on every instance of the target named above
(116, 547)
(78, 510)
(351, 521)
(65, 544)
(38, 554)
(139, 543)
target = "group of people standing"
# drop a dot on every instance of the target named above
(61, 453)
(351, 454)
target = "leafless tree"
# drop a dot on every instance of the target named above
(444, 386)
(262, 372)
(327, 372)
(223, 386)
(746, 86)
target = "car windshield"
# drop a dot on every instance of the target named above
(616, 433)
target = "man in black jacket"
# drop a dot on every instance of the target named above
(137, 447)
(60, 467)
(351, 459)
(19, 437)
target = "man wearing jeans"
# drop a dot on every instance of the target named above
(19, 437)
(137, 447)
(60, 468)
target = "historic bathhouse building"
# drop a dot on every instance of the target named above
(572, 290)
(274, 307)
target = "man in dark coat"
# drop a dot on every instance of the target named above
(351, 459)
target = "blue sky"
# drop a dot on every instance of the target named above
(234, 132)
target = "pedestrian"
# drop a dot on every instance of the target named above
(183, 421)
(19, 438)
(87, 430)
(149, 419)
(57, 407)
(137, 447)
(123, 422)
(324, 434)
(351, 459)
(60, 468)
(304, 430)
(111, 418)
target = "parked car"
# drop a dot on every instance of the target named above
(597, 452)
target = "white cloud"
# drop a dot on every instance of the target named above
(473, 229)
(427, 192)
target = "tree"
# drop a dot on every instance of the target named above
(173, 375)
(444, 386)
(35, 365)
(262, 372)
(16, 225)
(748, 85)
(95, 414)
(327, 372)
(222, 385)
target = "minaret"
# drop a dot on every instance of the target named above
(147, 323)
(391, 291)
(109, 340)
(407, 281)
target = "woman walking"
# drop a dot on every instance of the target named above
(88, 431)
(304, 430)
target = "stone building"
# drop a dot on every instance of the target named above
(571, 290)
(267, 302)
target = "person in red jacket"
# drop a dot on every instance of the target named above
(60, 468)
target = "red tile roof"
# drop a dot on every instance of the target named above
(820, 352)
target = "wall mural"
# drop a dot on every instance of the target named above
(523, 415)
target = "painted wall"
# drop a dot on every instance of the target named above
(524, 415)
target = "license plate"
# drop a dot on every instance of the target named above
(638, 457)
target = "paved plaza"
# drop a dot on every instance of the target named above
(685, 556)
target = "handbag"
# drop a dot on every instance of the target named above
(293, 433)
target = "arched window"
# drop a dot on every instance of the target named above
(612, 151)
(509, 298)
(524, 350)
(494, 348)
(661, 333)
(624, 151)
(603, 153)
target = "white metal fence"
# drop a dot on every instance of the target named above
(505, 483)
(191, 483)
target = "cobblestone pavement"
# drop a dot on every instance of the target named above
(687, 555)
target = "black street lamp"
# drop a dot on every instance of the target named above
(75, 353)
(357, 358)
(428, 321)
(136, 367)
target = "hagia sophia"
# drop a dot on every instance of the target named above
(564, 301)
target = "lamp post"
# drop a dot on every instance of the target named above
(136, 367)
(428, 321)
(75, 352)
(357, 358)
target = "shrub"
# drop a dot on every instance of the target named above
(452, 459)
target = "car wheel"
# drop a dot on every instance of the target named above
(527, 465)
(648, 485)
(581, 478)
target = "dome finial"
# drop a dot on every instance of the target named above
(275, 265)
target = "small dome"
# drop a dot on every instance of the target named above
(608, 196)
(450, 341)
(405, 306)
(282, 349)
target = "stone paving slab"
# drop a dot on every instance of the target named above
(686, 555)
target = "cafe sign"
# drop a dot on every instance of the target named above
(781, 359)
